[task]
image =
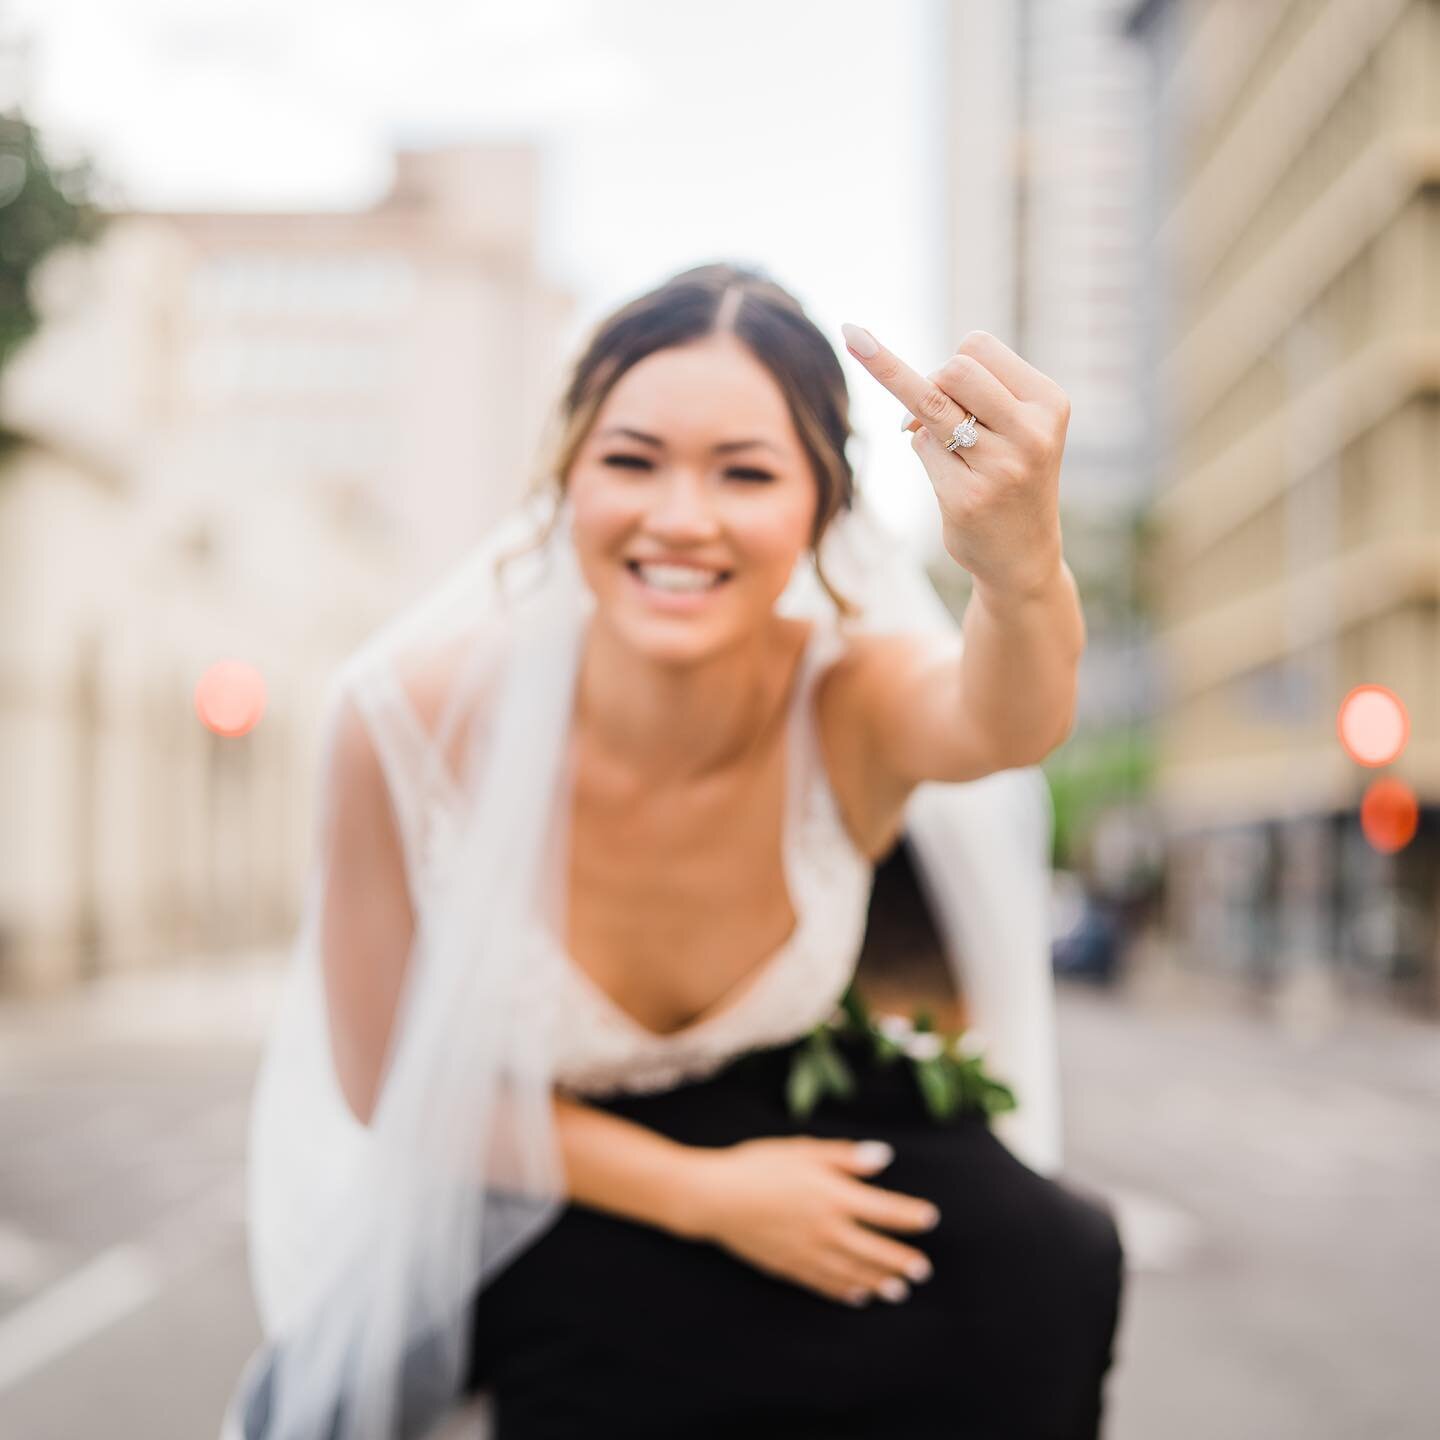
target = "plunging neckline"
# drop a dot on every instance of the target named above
(799, 772)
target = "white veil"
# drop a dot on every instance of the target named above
(368, 1243)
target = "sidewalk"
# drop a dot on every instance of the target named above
(208, 1001)
(1308, 1022)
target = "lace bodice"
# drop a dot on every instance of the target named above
(598, 1048)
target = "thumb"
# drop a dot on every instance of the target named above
(862, 1157)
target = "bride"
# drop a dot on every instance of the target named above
(595, 864)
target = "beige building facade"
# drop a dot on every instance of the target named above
(251, 436)
(1293, 384)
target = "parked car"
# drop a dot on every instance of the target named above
(1090, 949)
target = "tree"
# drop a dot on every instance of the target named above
(42, 206)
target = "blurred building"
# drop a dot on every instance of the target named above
(1291, 381)
(250, 436)
(1046, 160)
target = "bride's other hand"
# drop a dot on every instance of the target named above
(794, 1206)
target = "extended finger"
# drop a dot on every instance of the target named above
(921, 396)
(970, 382)
(886, 1255)
(833, 1283)
(889, 1208)
(854, 1276)
(834, 1278)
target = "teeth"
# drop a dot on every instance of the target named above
(678, 577)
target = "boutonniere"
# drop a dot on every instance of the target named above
(949, 1066)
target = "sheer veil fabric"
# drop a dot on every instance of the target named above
(367, 1243)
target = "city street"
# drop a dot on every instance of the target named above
(1277, 1195)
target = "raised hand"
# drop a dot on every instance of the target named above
(999, 498)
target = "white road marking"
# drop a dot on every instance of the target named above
(115, 1283)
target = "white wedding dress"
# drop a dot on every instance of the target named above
(365, 1240)
(600, 1049)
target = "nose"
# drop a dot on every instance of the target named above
(683, 507)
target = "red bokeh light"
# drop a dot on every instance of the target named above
(1389, 814)
(1373, 725)
(230, 698)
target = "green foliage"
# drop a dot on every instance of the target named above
(817, 1069)
(41, 207)
(949, 1080)
(1090, 772)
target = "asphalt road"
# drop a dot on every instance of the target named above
(1277, 1193)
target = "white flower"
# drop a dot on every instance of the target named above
(924, 1045)
(895, 1027)
(970, 1043)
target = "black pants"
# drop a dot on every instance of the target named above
(605, 1327)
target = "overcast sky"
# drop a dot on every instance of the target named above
(800, 134)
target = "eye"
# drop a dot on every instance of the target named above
(639, 462)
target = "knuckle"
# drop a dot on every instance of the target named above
(958, 368)
(965, 509)
(1013, 470)
(934, 404)
(1033, 441)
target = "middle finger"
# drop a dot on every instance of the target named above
(975, 385)
(961, 386)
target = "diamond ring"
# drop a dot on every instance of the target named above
(962, 437)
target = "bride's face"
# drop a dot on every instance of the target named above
(693, 461)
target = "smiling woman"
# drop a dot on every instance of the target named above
(598, 852)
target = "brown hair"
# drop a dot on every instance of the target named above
(708, 300)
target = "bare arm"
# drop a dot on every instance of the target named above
(1021, 663)
(367, 927)
(367, 923)
(793, 1206)
(619, 1166)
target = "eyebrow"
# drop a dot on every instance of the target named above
(723, 448)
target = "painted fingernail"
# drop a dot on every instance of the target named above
(893, 1289)
(931, 1218)
(906, 420)
(860, 340)
(873, 1154)
(858, 1298)
(919, 1269)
